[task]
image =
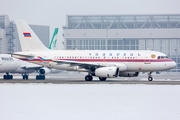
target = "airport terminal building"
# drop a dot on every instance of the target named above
(125, 32)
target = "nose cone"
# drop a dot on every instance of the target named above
(173, 64)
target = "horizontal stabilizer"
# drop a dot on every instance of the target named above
(27, 56)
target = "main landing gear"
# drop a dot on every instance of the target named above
(90, 78)
(8, 77)
(150, 78)
(25, 76)
(102, 79)
(40, 77)
(90, 74)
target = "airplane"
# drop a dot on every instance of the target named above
(9, 64)
(100, 63)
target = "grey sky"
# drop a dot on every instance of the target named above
(53, 12)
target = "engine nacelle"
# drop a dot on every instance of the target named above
(107, 72)
(128, 74)
(44, 71)
(122, 66)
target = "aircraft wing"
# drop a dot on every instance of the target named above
(92, 65)
(31, 67)
(85, 65)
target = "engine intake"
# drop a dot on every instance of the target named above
(44, 71)
(107, 72)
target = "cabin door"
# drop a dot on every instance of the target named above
(147, 62)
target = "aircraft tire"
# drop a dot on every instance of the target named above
(37, 77)
(40, 77)
(11, 77)
(26, 76)
(150, 79)
(102, 79)
(8, 77)
(88, 78)
(5, 76)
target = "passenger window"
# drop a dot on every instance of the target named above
(159, 57)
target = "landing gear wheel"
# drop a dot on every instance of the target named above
(5, 76)
(25, 77)
(8, 77)
(102, 79)
(88, 78)
(150, 79)
(11, 77)
(40, 77)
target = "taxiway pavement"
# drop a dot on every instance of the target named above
(78, 78)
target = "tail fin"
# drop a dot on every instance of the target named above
(54, 40)
(28, 39)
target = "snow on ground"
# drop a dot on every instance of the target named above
(89, 102)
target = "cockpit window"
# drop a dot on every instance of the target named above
(162, 57)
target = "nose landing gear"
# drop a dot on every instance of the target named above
(150, 78)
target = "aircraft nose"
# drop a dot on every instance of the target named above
(173, 64)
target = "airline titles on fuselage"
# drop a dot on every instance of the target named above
(98, 55)
(111, 54)
(7, 58)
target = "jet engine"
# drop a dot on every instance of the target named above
(44, 71)
(107, 72)
(128, 74)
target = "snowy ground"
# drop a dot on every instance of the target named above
(89, 102)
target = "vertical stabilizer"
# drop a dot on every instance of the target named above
(54, 40)
(28, 39)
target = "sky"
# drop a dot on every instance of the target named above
(53, 12)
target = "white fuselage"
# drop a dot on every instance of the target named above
(13, 65)
(130, 61)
